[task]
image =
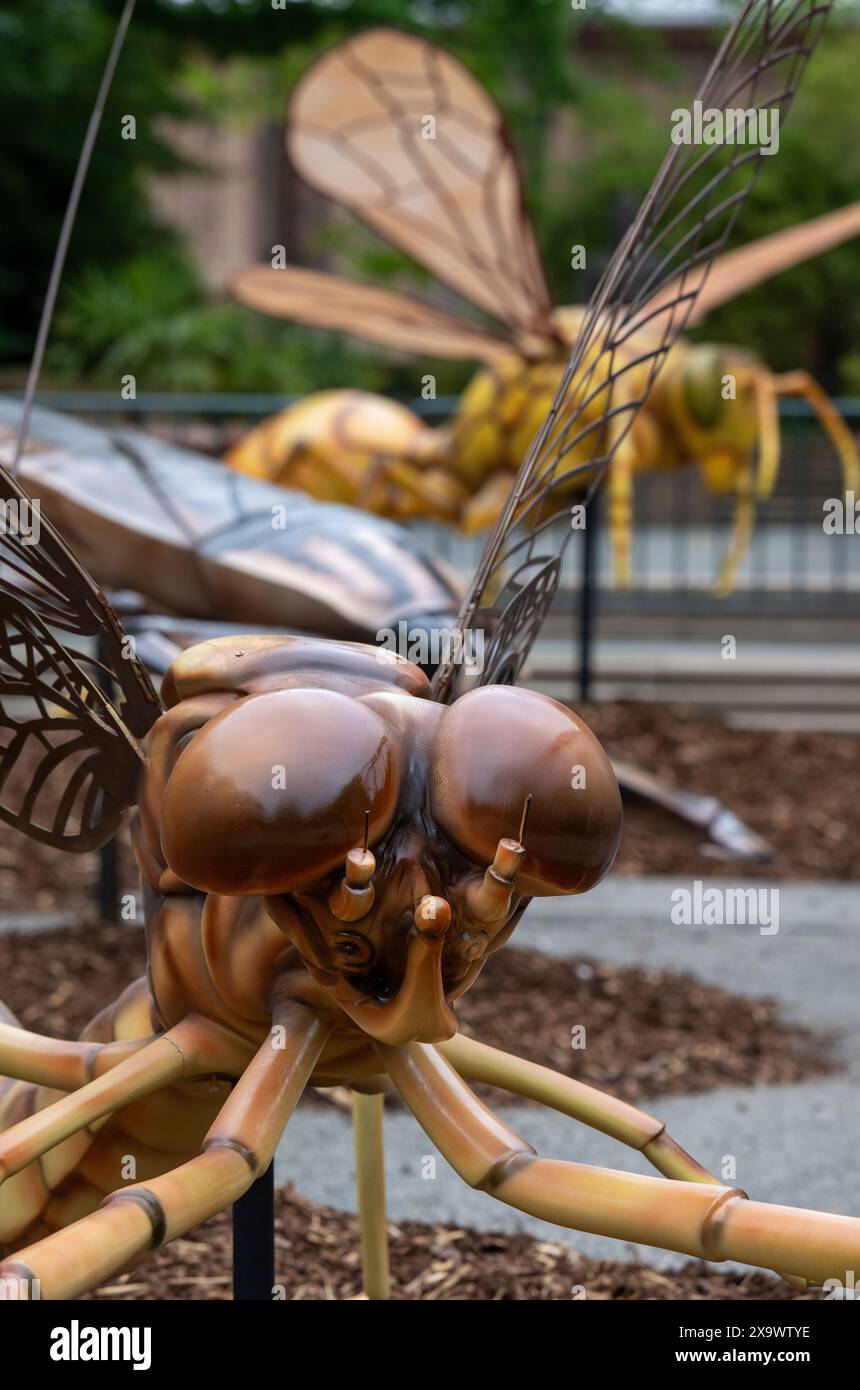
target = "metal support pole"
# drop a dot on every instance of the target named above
(107, 888)
(254, 1241)
(108, 885)
(588, 595)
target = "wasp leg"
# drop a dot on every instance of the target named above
(742, 529)
(768, 433)
(238, 1147)
(475, 1061)
(484, 507)
(63, 1065)
(694, 1218)
(802, 384)
(192, 1048)
(620, 488)
(400, 487)
(367, 1117)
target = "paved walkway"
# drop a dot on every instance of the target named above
(792, 1144)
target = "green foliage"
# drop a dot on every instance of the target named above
(590, 138)
(589, 200)
(810, 316)
(51, 55)
(150, 317)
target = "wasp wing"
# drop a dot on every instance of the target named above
(70, 757)
(377, 315)
(628, 329)
(401, 133)
(741, 270)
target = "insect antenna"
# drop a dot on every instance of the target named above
(524, 820)
(354, 894)
(66, 232)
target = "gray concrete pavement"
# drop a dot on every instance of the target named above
(811, 964)
(791, 1144)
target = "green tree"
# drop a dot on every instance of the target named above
(810, 316)
(589, 135)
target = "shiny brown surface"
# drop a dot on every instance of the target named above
(248, 665)
(499, 744)
(271, 794)
(202, 541)
(448, 877)
(262, 773)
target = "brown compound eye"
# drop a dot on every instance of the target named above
(272, 792)
(497, 745)
(351, 951)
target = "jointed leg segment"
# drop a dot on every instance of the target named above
(239, 1144)
(477, 1062)
(367, 1117)
(192, 1047)
(694, 1218)
(743, 526)
(801, 384)
(51, 1062)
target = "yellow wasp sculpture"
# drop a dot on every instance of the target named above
(400, 132)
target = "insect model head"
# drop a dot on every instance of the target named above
(395, 840)
(718, 404)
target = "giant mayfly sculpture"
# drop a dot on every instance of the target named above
(330, 849)
(395, 129)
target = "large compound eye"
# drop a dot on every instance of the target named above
(702, 385)
(494, 747)
(271, 793)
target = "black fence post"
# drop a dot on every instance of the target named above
(254, 1241)
(108, 885)
(588, 595)
(107, 889)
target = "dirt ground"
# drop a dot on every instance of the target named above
(317, 1257)
(797, 790)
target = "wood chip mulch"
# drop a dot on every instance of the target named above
(797, 790)
(648, 1032)
(35, 878)
(317, 1258)
(56, 981)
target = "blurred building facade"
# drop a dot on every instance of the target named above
(249, 200)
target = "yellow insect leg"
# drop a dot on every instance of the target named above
(475, 1061)
(620, 487)
(193, 1047)
(742, 529)
(802, 384)
(51, 1062)
(238, 1146)
(367, 1114)
(768, 433)
(694, 1218)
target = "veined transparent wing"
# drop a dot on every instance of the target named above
(639, 309)
(69, 756)
(377, 315)
(400, 132)
(747, 266)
